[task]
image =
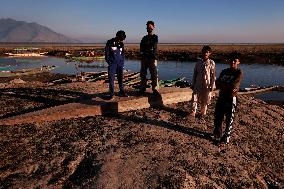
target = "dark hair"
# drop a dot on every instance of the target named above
(150, 22)
(206, 48)
(121, 34)
(234, 55)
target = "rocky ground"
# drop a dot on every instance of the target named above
(150, 148)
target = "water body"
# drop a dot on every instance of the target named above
(254, 74)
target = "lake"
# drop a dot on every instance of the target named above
(254, 74)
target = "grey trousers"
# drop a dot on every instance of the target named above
(152, 65)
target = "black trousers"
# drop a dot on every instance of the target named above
(224, 107)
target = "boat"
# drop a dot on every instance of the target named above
(100, 65)
(254, 90)
(170, 83)
(23, 52)
(29, 71)
(5, 68)
(31, 54)
(85, 58)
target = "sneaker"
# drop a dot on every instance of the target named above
(192, 114)
(110, 97)
(215, 137)
(122, 94)
(225, 140)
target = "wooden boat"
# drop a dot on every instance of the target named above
(93, 66)
(254, 90)
(30, 54)
(5, 68)
(27, 71)
(170, 83)
(85, 58)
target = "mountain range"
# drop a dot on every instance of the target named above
(21, 31)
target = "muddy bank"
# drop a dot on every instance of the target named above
(149, 148)
(262, 54)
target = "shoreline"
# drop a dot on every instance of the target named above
(251, 53)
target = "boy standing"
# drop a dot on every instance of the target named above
(114, 56)
(148, 51)
(203, 81)
(228, 83)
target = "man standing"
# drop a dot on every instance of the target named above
(148, 51)
(228, 83)
(114, 56)
(203, 82)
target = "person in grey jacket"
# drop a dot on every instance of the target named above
(229, 84)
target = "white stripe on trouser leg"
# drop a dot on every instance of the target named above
(230, 128)
(194, 102)
(203, 107)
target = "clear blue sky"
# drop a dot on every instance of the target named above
(191, 21)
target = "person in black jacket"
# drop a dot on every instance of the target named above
(228, 83)
(114, 56)
(148, 51)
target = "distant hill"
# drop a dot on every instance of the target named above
(20, 31)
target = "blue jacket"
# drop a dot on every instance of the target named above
(114, 52)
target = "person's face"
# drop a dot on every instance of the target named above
(150, 28)
(119, 39)
(206, 55)
(234, 63)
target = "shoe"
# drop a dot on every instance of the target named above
(215, 137)
(122, 94)
(110, 97)
(192, 114)
(224, 140)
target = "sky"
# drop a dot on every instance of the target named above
(177, 21)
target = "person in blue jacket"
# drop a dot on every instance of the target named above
(114, 56)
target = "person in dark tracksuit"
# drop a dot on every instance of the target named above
(228, 83)
(114, 56)
(148, 51)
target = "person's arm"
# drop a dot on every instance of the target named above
(155, 47)
(107, 52)
(231, 86)
(123, 53)
(236, 83)
(194, 76)
(212, 75)
(237, 80)
(218, 81)
(142, 46)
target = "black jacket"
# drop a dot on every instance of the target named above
(148, 46)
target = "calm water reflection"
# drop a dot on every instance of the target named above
(256, 74)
